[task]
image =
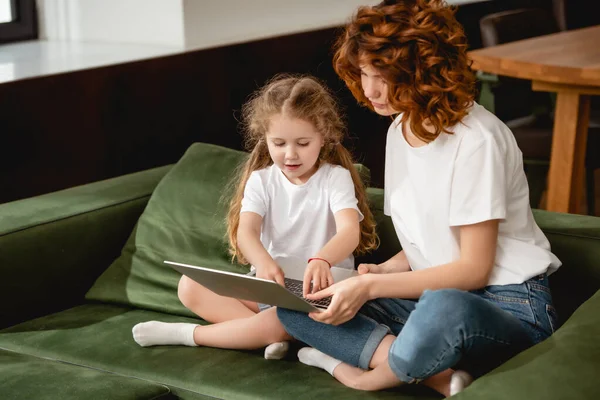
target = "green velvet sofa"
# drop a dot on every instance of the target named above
(80, 267)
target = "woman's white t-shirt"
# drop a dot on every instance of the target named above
(473, 175)
(298, 220)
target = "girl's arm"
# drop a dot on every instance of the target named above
(471, 271)
(338, 248)
(248, 238)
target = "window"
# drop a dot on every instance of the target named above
(6, 11)
(18, 20)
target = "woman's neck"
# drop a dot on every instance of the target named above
(411, 138)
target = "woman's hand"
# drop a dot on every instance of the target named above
(271, 273)
(319, 273)
(348, 296)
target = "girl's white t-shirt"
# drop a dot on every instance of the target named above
(473, 175)
(298, 220)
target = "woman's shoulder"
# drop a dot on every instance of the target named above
(481, 127)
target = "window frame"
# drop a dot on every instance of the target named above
(24, 26)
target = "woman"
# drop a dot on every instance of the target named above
(469, 289)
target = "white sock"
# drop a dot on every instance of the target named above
(153, 333)
(459, 381)
(277, 350)
(313, 357)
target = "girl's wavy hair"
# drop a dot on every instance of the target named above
(420, 49)
(305, 98)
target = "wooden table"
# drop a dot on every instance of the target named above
(567, 63)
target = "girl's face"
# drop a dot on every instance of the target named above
(375, 89)
(294, 145)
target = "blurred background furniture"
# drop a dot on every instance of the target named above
(529, 113)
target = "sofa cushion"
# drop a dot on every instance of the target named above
(28, 377)
(99, 336)
(184, 221)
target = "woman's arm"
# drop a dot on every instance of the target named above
(248, 237)
(338, 248)
(471, 271)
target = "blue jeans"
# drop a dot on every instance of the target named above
(475, 331)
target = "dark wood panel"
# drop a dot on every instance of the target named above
(70, 129)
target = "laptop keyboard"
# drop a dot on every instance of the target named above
(295, 286)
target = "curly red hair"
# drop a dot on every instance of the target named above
(420, 49)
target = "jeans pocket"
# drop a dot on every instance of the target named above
(541, 302)
(513, 299)
(552, 317)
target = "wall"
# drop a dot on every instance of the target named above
(68, 129)
(191, 23)
(211, 23)
(156, 22)
(187, 23)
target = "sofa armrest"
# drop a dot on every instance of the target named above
(575, 239)
(564, 366)
(54, 246)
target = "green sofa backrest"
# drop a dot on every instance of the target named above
(184, 221)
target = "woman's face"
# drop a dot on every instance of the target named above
(375, 89)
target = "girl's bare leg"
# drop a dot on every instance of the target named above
(216, 309)
(254, 332)
(210, 306)
(237, 324)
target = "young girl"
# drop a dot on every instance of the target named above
(469, 289)
(299, 197)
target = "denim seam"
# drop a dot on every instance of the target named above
(506, 299)
(395, 318)
(539, 287)
(376, 307)
(536, 318)
(441, 357)
(400, 374)
(373, 320)
(549, 308)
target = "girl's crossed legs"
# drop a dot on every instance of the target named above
(236, 324)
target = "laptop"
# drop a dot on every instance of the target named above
(248, 287)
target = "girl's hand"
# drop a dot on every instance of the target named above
(348, 296)
(271, 273)
(387, 267)
(319, 273)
